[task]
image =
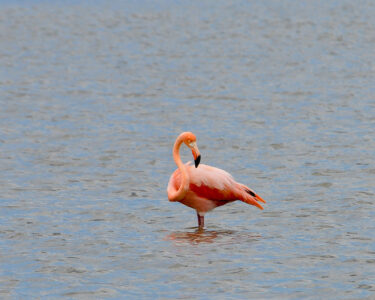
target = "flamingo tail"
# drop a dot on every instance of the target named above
(250, 197)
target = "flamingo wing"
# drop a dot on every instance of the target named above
(212, 183)
(218, 185)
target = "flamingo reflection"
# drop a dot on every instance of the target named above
(209, 236)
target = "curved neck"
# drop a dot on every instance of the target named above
(184, 186)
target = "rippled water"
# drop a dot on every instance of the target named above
(279, 93)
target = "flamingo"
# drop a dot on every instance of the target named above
(204, 188)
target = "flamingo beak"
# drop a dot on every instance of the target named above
(197, 161)
(196, 155)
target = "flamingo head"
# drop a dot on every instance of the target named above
(191, 141)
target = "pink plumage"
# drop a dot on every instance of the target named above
(204, 187)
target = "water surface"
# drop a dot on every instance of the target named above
(92, 97)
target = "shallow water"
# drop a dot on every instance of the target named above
(93, 95)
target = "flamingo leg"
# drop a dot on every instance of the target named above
(200, 220)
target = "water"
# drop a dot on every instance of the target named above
(93, 95)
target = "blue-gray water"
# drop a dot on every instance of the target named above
(279, 93)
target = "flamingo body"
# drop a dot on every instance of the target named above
(203, 187)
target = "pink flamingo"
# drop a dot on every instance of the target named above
(206, 187)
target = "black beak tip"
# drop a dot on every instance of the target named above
(197, 161)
